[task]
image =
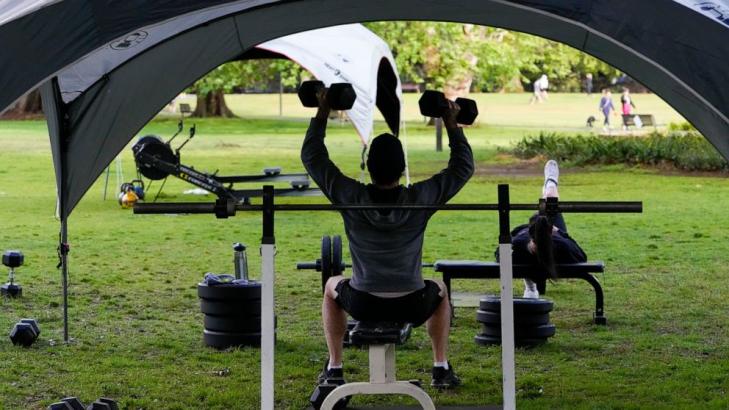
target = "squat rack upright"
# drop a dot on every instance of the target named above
(227, 208)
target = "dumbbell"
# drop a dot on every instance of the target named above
(73, 403)
(434, 104)
(320, 394)
(25, 332)
(68, 403)
(12, 259)
(341, 96)
(103, 404)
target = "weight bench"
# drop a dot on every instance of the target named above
(452, 269)
(381, 338)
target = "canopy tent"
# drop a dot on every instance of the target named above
(349, 54)
(143, 53)
(134, 56)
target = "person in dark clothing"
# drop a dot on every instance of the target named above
(544, 241)
(386, 246)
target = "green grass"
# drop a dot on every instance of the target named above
(135, 316)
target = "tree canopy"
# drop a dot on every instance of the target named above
(451, 56)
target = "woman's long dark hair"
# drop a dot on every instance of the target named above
(540, 230)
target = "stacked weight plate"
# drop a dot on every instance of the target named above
(232, 314)
(531, 321)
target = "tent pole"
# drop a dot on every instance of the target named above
(508, 367)
(63, 254)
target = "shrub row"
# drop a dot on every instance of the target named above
(685, 150)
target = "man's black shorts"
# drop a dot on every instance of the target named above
(415, 307)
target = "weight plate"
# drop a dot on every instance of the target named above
(250, 307)
(494, 318)
(521, 305)
(337, 265)
(230, 291)
(234, 324)
(222, 340)
(496, 341)
(521, 332)
(326, 259)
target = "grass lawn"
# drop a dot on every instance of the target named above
(135, 316)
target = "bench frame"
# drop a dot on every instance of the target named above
(382, 375)
(490, 270)
(648, 120)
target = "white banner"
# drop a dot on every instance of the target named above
(349, 54)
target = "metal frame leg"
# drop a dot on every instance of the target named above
(267, 326)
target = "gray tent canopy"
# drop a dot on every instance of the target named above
(106, 67)
(117, 63)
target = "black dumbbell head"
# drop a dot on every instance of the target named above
(432, 104)
(61, 405)
(239, 247)
(341, 96)
(469, 111)
(111, 403)
(98, 405)
(23, 335)
(11, 290)
(13, 259)
(33, 324)
(74, 403)
(307, 93)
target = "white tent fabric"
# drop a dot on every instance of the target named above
(13, 9)
(715, 9)
(342, 54)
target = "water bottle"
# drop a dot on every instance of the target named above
(240, 261)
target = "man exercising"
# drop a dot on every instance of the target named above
(386, 246)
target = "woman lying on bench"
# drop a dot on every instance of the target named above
(544, 241)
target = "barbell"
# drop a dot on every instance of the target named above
(223, 208)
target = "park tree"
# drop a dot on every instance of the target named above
(454, 56)
(252, 74)
(28, 106)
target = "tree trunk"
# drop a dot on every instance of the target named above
(212, 104)
(28, 106)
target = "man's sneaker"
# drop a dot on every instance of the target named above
(332, 376)
(531, 294)
(551, 174)
(445, 379)
(530, 290)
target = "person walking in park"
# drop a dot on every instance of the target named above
(540, 89)
(606, 107)
(588, 84)
(627, 105)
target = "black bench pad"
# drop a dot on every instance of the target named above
(477, 269)
(468, 269)
(378, 333)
